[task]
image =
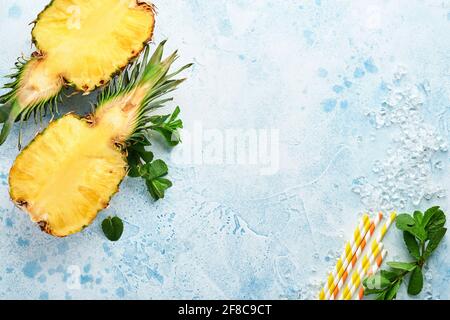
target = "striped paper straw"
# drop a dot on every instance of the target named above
(373, 225)
(363, 270)
(346, 258)
(374, 270)
(386, 226)
(358, 275)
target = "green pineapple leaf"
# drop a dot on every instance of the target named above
(4, 112)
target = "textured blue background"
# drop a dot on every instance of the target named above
(313, 70)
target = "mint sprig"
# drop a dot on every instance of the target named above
(154, 174)
(142, 165)
(422, 234)
(168, 126)
(141, 161)
(138, 156)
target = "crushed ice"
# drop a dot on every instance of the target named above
(404, 176)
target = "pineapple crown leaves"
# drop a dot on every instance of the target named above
(10, 109)
(154, 73)
(14, 84)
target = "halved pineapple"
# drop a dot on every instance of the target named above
(63, 172)
(80, 43)
(70, 171)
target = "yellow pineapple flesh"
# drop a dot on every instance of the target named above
(63, 172)
(87, 41)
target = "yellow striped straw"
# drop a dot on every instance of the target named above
(346, 258)
(373, 225)
(386, 227)
(374, 270)
(364, 269)
(358, 275)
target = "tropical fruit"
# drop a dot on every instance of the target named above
(80, 43)
(73, 168)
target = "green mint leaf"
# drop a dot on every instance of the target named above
(134, 162)
(429, 215)
(134, 172)
(377, 281)
(392, 275)
(137, 147)
(147, 156)
(436, 222)
(145, 142)
(369, 292)
(154, 170)
(435, 240)
(141, 165)
(168, 126)
(138, 152)
(412, 245)
(133, 158)
(112, 228)
(419, 232)
(157, 187)
(153, 173)
(381, 296)
(415, 282)
(405, 266)
(405, 222)
(152, 190)
(418, 216)
(137, 156)
(391, 294)
(141, 152)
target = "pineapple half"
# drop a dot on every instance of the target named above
(73, 168)
(81, 43)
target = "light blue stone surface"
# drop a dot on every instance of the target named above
(312, 70)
